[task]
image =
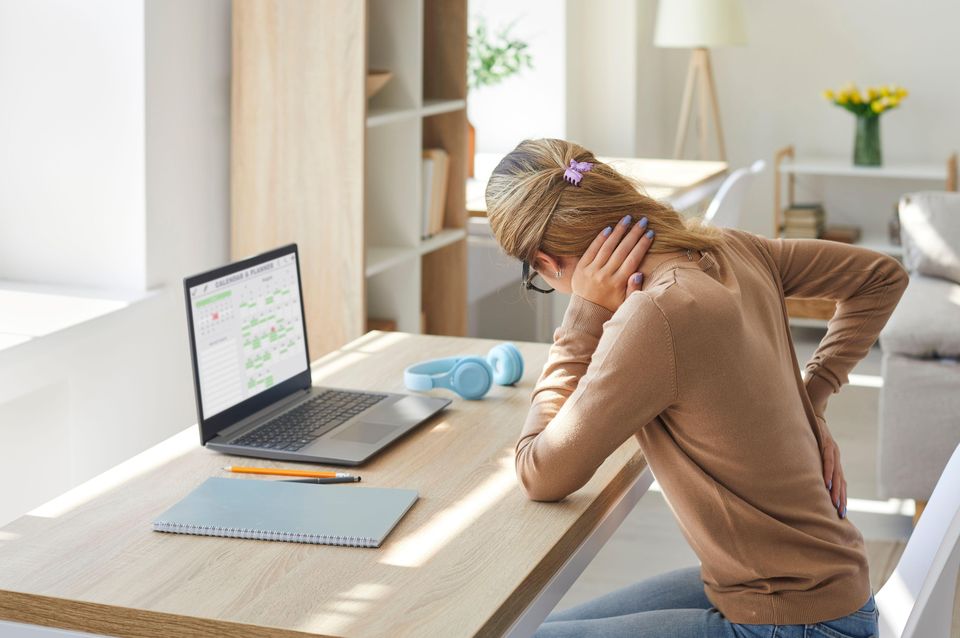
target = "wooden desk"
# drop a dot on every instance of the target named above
(681, 183)
(472, 557)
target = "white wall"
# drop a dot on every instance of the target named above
(533, 102)
(602, 78)
(769, 90)
(71, 130)
(80, 401)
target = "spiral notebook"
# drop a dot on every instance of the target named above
(293, 512)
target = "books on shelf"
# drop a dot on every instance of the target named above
(845, 234)
(436, 167)
(803, 221)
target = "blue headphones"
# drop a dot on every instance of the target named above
(470, 377)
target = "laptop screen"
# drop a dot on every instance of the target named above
(248, 332)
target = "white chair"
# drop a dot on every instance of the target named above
(917, 599)
(724, 209)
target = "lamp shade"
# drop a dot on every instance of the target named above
(699, 23)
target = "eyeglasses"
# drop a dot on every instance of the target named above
(526, 280)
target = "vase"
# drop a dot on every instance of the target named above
(866, 146)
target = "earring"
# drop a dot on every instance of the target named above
(559, 274)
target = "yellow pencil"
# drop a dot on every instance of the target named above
(275, 471)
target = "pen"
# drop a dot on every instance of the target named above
(275, 471)
(323, 481)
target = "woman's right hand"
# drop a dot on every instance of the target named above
(607, 272)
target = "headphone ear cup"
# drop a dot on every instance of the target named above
(506, 362)
(471, 378)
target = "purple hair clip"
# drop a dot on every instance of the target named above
(575, 171)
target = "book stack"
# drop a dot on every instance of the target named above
(845, 234)
(803, 221)
(436, 166)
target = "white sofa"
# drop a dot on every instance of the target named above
(920, 397)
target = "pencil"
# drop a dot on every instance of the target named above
(276, 471)
(323, 481)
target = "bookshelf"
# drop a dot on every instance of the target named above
(314, 161)
(903, 175)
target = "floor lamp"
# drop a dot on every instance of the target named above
(699, 24)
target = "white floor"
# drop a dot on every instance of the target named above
(649, 542)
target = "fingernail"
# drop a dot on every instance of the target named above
(650, 234)
(838, 502)
(843, 514)
(643, 222)
(625, 221)
(607, 231)
(829, 484)
(637, 278)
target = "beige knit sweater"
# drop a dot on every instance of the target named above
(700, 367)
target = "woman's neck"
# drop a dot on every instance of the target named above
(653, 260)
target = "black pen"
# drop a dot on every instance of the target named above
(324, 481)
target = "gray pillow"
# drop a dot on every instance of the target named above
(930, 233)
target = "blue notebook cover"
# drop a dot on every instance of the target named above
(293, 512)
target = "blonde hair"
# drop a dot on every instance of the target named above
(530, 207)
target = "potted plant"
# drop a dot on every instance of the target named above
(867, 109)
(491, 59)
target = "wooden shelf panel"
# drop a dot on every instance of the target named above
(445, 49)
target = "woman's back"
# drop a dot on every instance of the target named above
(700, 367)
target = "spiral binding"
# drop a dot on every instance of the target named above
(263, 534)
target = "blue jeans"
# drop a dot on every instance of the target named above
(674, 605)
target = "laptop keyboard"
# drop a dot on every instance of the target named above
(311, 419)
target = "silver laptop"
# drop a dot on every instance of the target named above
(252, 377)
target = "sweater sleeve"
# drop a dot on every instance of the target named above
(606, 376)
(865, 284)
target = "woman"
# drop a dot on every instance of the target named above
(693, 357)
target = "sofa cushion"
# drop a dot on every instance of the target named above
(930, 232)
(926, 322)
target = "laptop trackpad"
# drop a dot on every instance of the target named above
(365, 432)
(382, 421)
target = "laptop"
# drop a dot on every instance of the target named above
(251, 373)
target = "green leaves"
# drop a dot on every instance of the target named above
(492, 58)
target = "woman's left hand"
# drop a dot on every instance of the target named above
(607, 272)
(832, 471)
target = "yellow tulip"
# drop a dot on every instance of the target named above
(901, 93)
(876, 107)
(893, 101)
(884, 91)
(872, 93)
(828, 94)
(842, 99)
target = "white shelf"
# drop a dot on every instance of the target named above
(844, 167)
(379, 115)
(384, 115)
(443, 238)
(435, 107)
(882, 245)
(380, 258)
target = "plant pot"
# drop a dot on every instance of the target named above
(471, 147)
(866, 145)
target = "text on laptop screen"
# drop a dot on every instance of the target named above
(249, 333)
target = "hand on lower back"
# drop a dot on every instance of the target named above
(607, 272)
(833, 478)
